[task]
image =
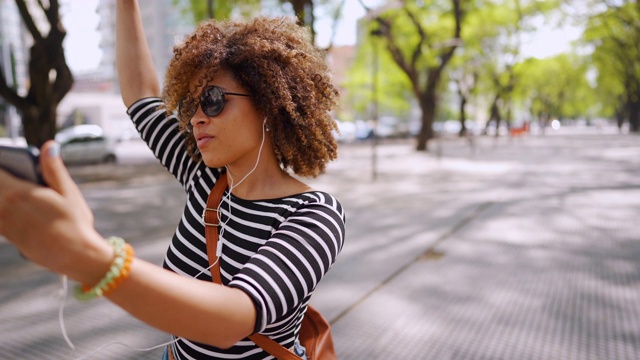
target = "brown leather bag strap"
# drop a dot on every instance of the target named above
(211, 225)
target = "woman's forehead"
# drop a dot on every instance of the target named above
(221, 77)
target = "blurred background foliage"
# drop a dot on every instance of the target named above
(426, 61)
(464, 60)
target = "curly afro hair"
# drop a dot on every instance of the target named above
(274, 59)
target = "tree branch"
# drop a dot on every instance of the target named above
(365, 7)
(457, 13)
(385, 30)
(421, 32)
(52, 13)
(28, 20)
(9, 94)
(335, 18)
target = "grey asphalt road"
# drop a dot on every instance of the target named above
(521, 248)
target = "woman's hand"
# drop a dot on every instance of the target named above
(53, 226)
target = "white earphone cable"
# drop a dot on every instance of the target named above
(233, 186)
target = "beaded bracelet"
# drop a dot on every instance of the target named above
(117, 273)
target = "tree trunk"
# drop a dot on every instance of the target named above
(39, 124)
(463, 114)
(210, 10)
(498, 121)
(634, 116)
(544, 122)
(51, 79)
(304, 12)
(494, 115)
(428, 107)
(620, 113)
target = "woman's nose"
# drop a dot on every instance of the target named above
(199, 118)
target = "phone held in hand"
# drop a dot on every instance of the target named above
(21, 162)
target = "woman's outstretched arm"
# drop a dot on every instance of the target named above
(53, 226)
(136, 72)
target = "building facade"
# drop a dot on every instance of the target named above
(164, 25)
(95, 97)
(13, 64)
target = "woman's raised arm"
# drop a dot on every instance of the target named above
(136, 71)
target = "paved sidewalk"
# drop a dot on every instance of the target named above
(521, 248)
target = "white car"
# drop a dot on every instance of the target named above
(85, 144)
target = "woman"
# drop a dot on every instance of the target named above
(247, 100)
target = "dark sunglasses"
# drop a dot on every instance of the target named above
(212, 101)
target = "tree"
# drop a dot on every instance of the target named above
(615, 34)
(502, 24)
(421, 38)
(200, 10)
(304, 10)
(555, 88)
(464, 74)
(482, 64)
(393, 86)
(50, 78)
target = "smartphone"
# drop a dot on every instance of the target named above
(22, 162)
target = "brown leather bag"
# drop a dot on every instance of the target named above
(315, 333)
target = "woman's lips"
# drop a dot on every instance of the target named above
(204, 139)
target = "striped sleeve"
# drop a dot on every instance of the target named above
(163, 137)
(282, 275)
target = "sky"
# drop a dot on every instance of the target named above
(82, 48)
(83, 52)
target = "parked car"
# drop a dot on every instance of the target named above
(346, 131)
(85, 144)
(364, 130)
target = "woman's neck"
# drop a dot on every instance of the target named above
(267, 182)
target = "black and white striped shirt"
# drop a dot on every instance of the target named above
(276, 250)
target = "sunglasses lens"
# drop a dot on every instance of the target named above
(212, 101)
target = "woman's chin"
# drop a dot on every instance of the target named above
(212, 163)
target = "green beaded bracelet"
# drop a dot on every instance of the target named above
(118, 271)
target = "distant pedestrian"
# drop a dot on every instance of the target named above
(250, 101)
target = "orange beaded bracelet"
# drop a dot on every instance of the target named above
(118, 272)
